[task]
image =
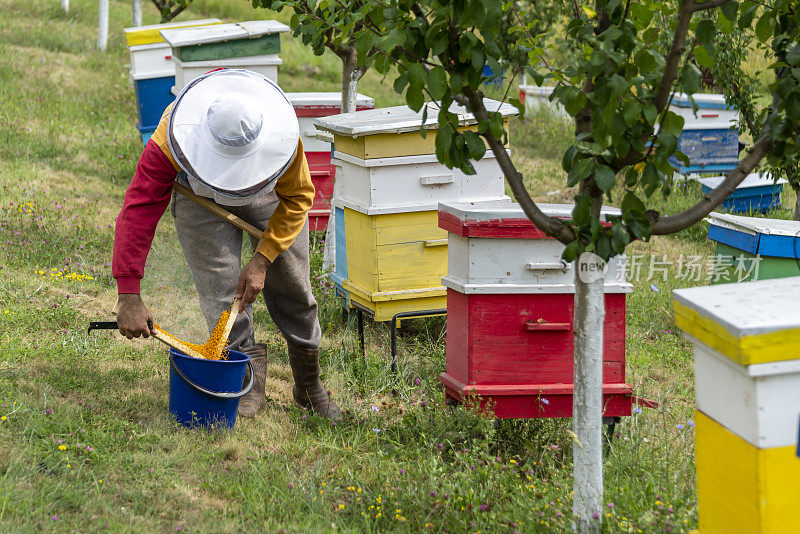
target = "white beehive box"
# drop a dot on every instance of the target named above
(491, 262)
(151, 56)
(412, 183)
(756, 398)
(712, 111)
(308, 106)
(186, 72)
(746, 340)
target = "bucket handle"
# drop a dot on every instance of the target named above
(215, 394)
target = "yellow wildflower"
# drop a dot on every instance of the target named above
(341, 507)
(62, 447)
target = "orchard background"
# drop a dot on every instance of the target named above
(85, 439)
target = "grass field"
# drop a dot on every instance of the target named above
(86, 443)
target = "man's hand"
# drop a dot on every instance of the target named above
(132, 316)
(251, 281)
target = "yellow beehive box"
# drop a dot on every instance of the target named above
(395, 131)
(747, 379)
(143, 35)
(741, 488)
(393, 258)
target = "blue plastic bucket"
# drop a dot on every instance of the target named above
(207, 392)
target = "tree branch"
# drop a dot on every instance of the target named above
(705, 6)
(669, 225)
(674, 55)
(549, 225)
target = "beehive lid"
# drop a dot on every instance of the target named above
(500, 218)
(537, 91)
(751, 180)
(142, 35)
(401, 119)
(703, 101)
(750, 322)
(178, 38)
(765, 237)
(756, 225)
(326, 99)
(501, 212)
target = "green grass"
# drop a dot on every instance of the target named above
(396, 463)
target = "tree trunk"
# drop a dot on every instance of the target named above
(102, 25)
(587, 400)
(136, 12)
(65, 5)
(796, 188)
(351, 74)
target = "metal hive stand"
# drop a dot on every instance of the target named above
(360, 310)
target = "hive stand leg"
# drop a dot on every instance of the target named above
(360, 317)
(611, 424)
(393, 335)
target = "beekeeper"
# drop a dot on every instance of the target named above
(231, 136)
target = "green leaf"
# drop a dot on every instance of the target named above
(603, 247)
(618, 85)
(400, 83)
(702, 56)
(571, 251)
(747, 16)
(576, 104)
(630, 112)
(632, 203)
(414, 98)
(793, 55)
(645, 61)
(706, 30)
(673, 124)
(417, 75)
(764, 27)
(667, 143)
(650, 113)
(729, 10)
(582, 212)
(437, 83)
(443, 142)
(422, 131)
(475, 145)
(604, 177)
(580, 170)
(619, 238)
(690, 78)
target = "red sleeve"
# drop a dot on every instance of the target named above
(145, 202)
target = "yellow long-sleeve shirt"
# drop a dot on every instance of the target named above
(148, 196)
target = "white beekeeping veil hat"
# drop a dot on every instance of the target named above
(234, 131)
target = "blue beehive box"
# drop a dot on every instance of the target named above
(146, 134)
(339, 273)
(709, 139)
(756, 193)
(153, 95)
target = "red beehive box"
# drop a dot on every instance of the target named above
(308, 106)
(510, 309)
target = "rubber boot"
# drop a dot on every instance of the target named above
(255, 400)
(308, 391)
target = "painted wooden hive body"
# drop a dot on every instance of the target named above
(152, 71)
(389, 184)
(510, 309)
(752, 248)
(252, 45)
(709, 136)
(309, 106)
(747, 371)
(756, 193)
